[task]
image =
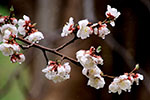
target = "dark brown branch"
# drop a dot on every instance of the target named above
(49, 50)
(67, 43)
(44, 53)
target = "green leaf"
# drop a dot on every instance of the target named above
(12, 9)
(98, 50)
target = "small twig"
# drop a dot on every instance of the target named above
(106, 21)
(132, 71)
(46, 58)
(67, 43)
(136, 68)
(105, 75)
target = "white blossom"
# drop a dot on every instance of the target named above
(87, 59)
(68, 28)
(9, 49)
(5, 36)
(137, 78)
(120, 83)
(113, 87)
(7, 30)
(22, 23)
(96, 82)
(124, 83)
(35, 37)
(102, 31)
(15, 47)
(112, 13)
(14, 21)
(80, 54)
(84, 30)
(26, 18)
(22, 30)
(57, 73)
(67, 67)
(2, 19)
(18, 58)
(91, 72)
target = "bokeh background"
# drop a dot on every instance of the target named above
(127, 45)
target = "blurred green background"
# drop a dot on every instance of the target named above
(6, 70)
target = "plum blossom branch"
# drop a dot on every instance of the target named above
(23, 30)
(49, 50)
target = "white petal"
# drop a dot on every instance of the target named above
(26, 18)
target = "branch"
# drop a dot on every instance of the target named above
(44, 53)
(49, 50)
(67, 43)
(109, 76)
(44, 49)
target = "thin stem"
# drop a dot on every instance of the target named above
(106, 21)
(67, 43)
(136, 68)
(105, 75)
(46, 58)
(132, 71)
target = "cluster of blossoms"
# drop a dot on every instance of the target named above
(89, 61)
(84, 28)
(27, 30)
(10, 29)
(124, 82)
(57, 72)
